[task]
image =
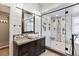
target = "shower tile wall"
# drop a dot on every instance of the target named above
(58, 34)
(55, 37)
(63, 29)
(54, 28)
(58, 29)
(45, 29)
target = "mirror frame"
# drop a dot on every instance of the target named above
(24, 11)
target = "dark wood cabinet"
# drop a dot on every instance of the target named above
(33, 48)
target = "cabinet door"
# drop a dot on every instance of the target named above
(32, 49)
(37, 47)
(24, 49)
(42, 45)
(27, 49)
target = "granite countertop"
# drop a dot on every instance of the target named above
(20, 41)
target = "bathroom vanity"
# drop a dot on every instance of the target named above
(29, 46)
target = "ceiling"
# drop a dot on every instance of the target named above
(48, 6)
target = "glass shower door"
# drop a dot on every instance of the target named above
(64, 24)
(58, 31)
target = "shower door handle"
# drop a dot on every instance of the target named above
(66, 12)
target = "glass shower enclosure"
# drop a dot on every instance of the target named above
(61, 29)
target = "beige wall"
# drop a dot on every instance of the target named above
(4, 27)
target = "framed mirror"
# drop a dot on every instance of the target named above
(28, 22)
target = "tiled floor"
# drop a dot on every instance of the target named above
(5, 52)
(49, 53)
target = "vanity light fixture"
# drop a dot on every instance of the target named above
(3, 21)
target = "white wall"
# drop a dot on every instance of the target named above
(15, 19)
(38, 24)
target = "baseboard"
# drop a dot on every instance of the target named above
(52, 50)
(4, 46)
